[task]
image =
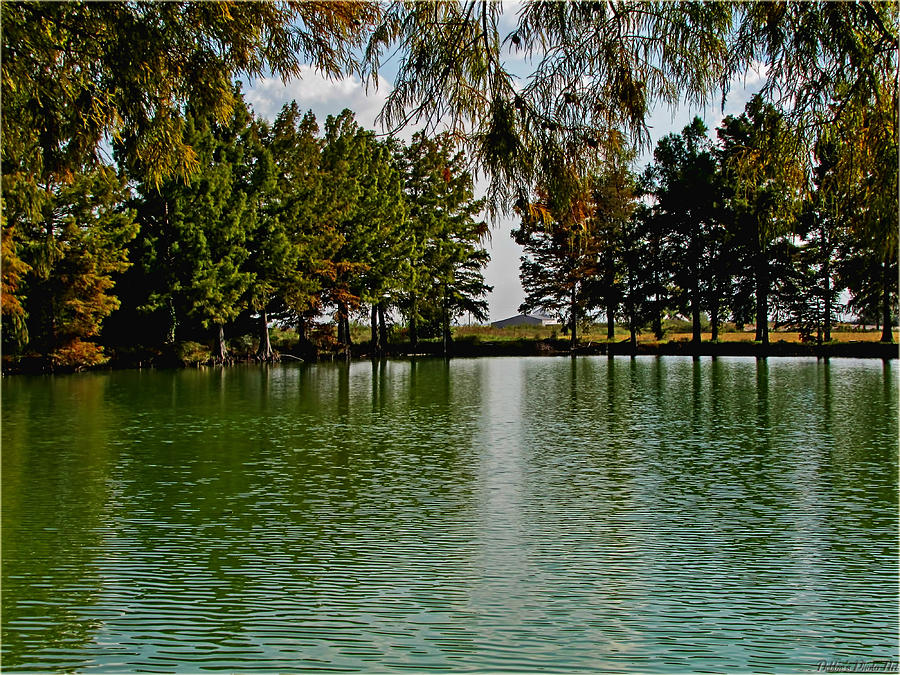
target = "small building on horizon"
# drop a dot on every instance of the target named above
(525, 320)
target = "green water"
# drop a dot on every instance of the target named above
(648, 515)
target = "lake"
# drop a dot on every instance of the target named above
(655, 514)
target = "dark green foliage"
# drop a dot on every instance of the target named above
(442, 277)
(275, 224)
(641, 277)
(686, 176)
(362, 202)
(290, 246)
(559, 259)
(761, 175)
(548, 271)
(191, 254)
(76, 75)
(808, 301)
(612, 194)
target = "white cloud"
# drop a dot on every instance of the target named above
(754, 78)
(509, 17)
(322, 95)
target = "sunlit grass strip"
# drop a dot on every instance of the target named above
(598, 334)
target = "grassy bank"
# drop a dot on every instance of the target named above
(674, 332)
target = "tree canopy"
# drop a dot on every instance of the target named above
(76, 73)
(694, 238)
(596, 68)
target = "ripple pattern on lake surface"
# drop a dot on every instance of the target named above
(525, 514)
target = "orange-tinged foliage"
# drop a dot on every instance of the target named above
(78, 354)
(13, 269)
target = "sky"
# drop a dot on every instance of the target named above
(329, 97)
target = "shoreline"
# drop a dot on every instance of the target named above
(549, 347)
(468, 348)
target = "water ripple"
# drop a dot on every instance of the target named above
(614, 515)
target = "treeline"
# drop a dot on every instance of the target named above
(276, 223)
(733, 229)
(206, 225)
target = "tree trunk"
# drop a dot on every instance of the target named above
(382, 328)
(574, 314)
(343, 321)
(657, 318)
(762, 300)
(695, 314)
(826, 320)
(340, 327)
(610, 322)
(54, 339)
(302, 336)
(413, 324)
(173, 323)
(445, 326)
(376, 348)
(305, 347)
(264, 351)
(632, 319)
(714, 315)
(694, 252)
(887, 333)
(348, 338)
(657, 302)
(221, 351)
